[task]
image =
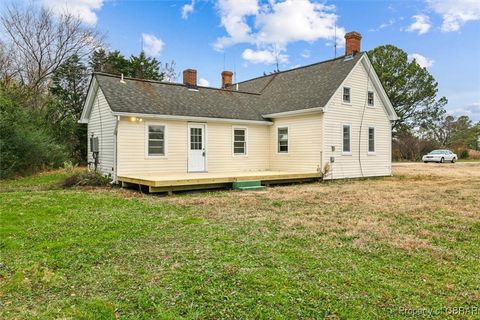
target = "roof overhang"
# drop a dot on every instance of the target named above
(190, 118)
(294, 113)
(88, 104)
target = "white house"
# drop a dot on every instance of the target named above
(293, 121)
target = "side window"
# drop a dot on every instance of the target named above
(282, 140)
(371, 99)
(346, 139)
(156, 140)
(239, 141)
(346, 94)
(371, 140)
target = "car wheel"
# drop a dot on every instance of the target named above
(442, 160)
(454, 160)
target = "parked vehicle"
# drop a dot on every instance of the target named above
(440, 156)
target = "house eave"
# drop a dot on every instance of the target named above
(294, 113)
(190, 118)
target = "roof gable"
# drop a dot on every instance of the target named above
(304, 89)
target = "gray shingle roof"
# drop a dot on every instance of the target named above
(301, 88)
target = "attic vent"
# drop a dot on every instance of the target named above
(348, 58)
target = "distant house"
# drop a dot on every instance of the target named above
(333, 112)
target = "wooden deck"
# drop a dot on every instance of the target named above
(191, 181)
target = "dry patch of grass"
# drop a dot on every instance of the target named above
(409, 211)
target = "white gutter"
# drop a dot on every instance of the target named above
(189, 118)
(293, 113)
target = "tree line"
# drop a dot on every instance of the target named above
(45, 65)
(423, 123)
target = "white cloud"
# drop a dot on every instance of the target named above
(472, 111)
(305, 54)
(84, 9)
(274, 25)
(455, 13)
(421, 24)
(384, 25)
(152, 45)
(423, 61)
(187, 9)
(268, 56)
(203, 82)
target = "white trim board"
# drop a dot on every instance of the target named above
(190, 118)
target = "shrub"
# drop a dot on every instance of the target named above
(463, 154)
(87, 178)
(24, 146)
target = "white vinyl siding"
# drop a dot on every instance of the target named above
(304, 143)
(360, 117)
(102, 124)
(219, 148)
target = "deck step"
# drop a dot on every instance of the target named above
(247, 185)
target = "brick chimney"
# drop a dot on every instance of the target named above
(352, 43)
(190, 77)
(226, 79)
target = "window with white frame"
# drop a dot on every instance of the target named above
(371, 140)
(156, 140)
(239, 141)
(371, 99)
(346, 94)
(282, 140)
(346, 139)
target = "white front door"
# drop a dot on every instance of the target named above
(197, 148)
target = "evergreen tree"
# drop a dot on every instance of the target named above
(143, 67)
(411, 88)
(68, 89)
(98, 60)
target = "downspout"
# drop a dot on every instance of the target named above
(115, 150)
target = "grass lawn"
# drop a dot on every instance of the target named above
(360, 249)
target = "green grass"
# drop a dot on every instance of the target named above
(308, 251)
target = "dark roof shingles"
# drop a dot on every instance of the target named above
(302, 88)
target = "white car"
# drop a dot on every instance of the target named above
(440, 156)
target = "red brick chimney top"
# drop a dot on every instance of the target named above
(190, 77)
(227, 79)
(352, 43)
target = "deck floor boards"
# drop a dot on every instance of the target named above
(205, 178)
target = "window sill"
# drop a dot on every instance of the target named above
(155, 157)
(371, 154)
(371, 106)
(346, 153)
(282, 153)
(346, 103)
(240, 156)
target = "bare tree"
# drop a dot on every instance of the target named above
(6, 64)
(169, 73)
(41, 41)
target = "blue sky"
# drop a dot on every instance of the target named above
(248, 36)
